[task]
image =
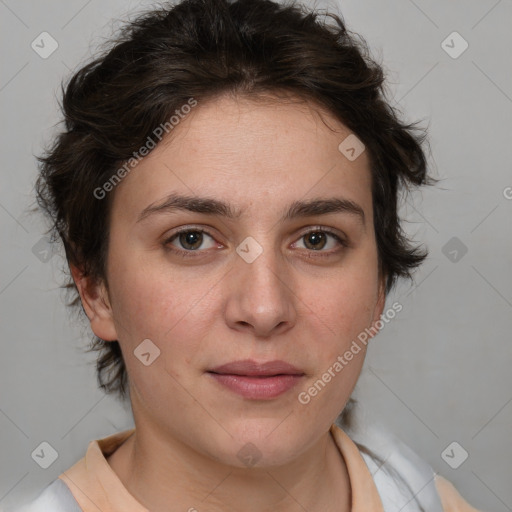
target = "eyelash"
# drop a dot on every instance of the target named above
(188, 229)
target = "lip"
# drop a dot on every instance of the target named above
(257, 381)
(250, 368)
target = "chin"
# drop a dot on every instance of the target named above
(259, 443)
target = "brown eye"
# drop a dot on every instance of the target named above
(315, 240)
(320, 239)
(191, 241)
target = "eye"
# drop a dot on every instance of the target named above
(191, 240)
(319, 239)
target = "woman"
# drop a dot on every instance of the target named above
(226, 191)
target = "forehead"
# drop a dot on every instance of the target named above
(245, 150)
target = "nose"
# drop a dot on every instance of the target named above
(261, 300)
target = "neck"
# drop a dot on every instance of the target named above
(159, 471)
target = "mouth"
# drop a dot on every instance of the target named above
(257, 381)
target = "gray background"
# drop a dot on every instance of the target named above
(440, 372)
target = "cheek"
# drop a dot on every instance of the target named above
(170, 308)
(343, 305)
(151, 306)
(339, 312)
(142, 300)
(141, 304)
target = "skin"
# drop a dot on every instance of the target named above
(213, 307)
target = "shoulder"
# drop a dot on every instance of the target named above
(403, 479)
(451, 499)
(55, 497)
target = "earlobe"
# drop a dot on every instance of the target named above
(96, 304)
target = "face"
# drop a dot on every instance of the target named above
(275, 259)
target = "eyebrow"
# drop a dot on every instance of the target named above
(297, 209)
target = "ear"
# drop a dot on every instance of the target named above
(379, 306)
(96, 303)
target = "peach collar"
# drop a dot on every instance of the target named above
(95, 486)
